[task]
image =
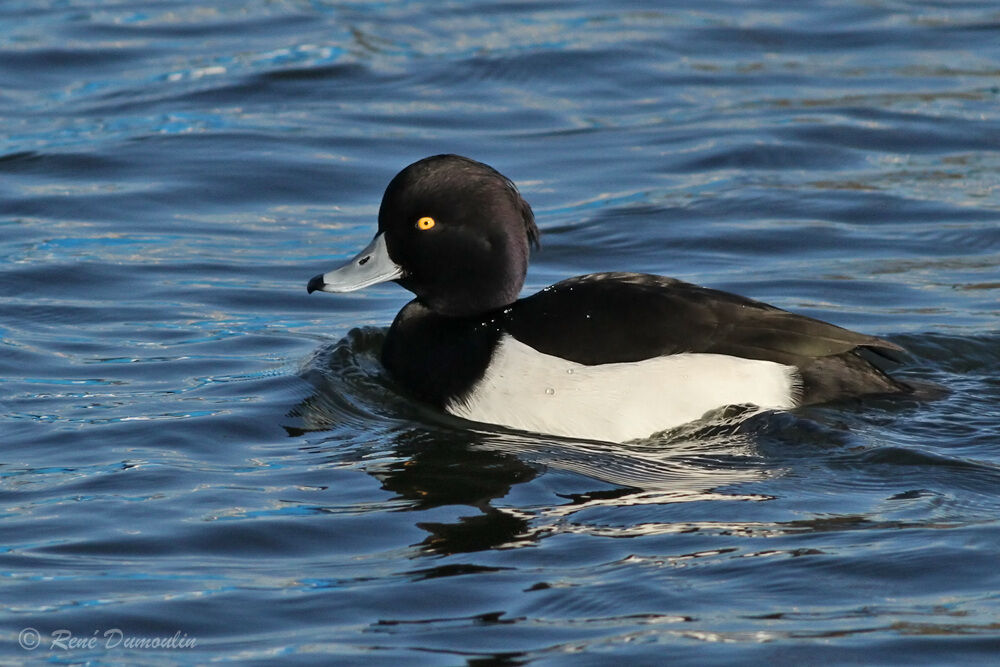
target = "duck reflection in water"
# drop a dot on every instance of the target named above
(434, 461)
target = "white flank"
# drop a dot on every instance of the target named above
(531, 391)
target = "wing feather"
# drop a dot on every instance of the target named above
(614, 317)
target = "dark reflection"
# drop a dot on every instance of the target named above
(452, 570)
(493, 528)
(440, 469)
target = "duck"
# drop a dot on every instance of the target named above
(614, 356)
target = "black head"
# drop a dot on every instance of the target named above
(453, 231)
(461, 232)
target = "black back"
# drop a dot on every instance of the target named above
(618, 317)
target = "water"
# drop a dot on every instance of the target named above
(195, 449)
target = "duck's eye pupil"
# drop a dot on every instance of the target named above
(425, 223)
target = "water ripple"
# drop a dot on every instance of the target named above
(194, 444)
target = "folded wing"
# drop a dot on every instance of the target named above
(618, 317)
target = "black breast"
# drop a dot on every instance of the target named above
(438, 358)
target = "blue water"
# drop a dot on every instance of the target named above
(195, 451)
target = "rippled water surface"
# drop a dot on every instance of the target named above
(195, 449)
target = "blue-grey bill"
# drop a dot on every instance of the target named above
(371, 266)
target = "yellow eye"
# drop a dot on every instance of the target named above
(425, 223)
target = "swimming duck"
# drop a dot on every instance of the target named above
(605, 356)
